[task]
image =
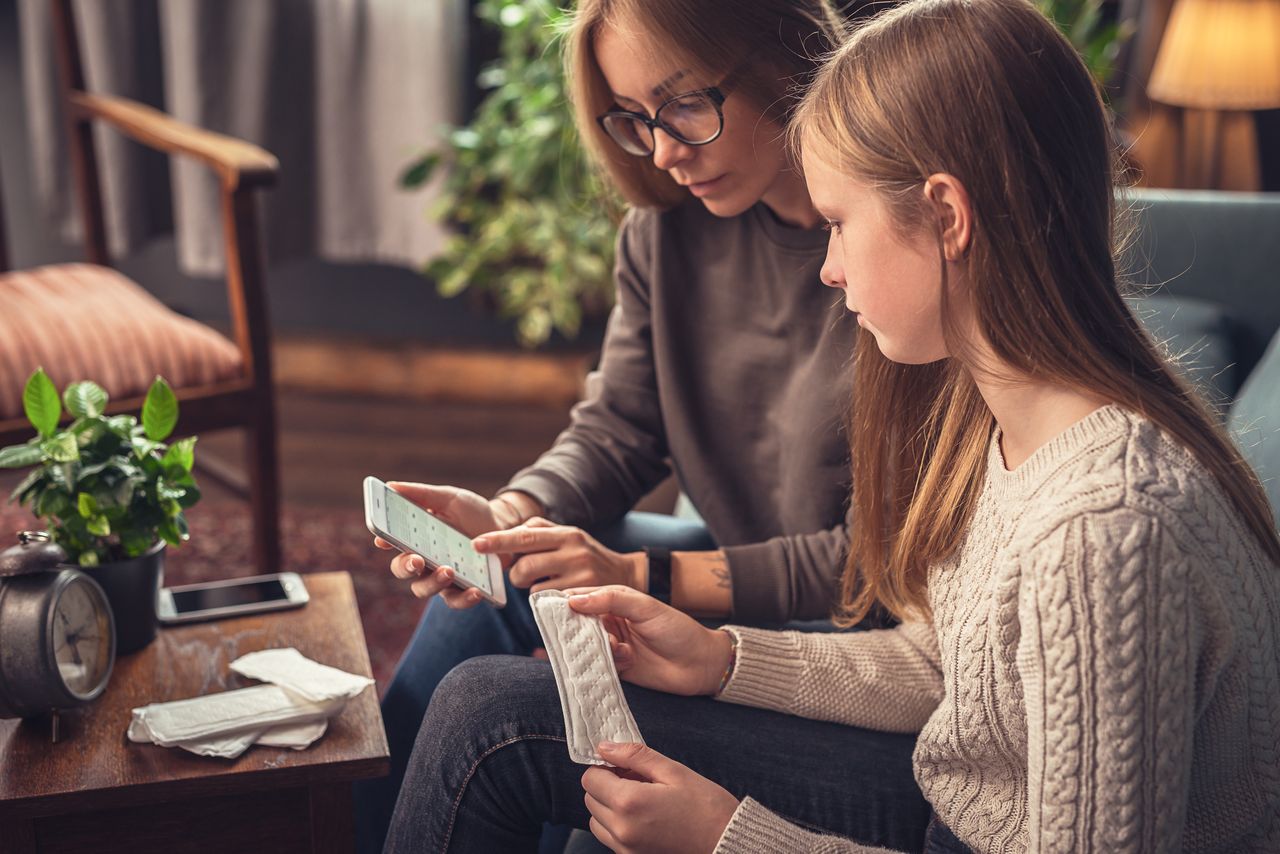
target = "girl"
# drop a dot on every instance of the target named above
(1086, 571)
(721, 360)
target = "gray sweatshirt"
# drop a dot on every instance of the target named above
(727, 359)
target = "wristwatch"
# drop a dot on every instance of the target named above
(659, 573)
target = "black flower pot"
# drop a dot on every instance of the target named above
(133, 588)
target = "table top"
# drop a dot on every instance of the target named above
(95, 766)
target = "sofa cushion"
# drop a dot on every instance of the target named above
(1255, 422)
(85, 322)
(1198, 335)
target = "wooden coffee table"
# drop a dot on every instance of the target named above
(97, 791)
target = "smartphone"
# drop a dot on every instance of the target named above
(234, 597)
(409, 528)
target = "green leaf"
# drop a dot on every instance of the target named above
(18, 456)
(89, 557)
(40, 402)
(33, 478)
(100, 526)
(182, 452)
(136, 543)
(122, 425)
(190, 495)
(142, 448)
(420, 173)
(169, 492)
(85, 399)
(62, 448)
(169, 532)
(53, 503)
(87, 506)
(159, 411)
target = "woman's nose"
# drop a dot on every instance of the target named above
(668, 152)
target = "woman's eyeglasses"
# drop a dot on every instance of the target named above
(693, 118)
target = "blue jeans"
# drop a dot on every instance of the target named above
(490, 764)
(445, 638)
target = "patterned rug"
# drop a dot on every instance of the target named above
(316, 540)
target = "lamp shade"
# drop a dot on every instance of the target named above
(1220, 55)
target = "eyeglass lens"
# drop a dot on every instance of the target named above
(692, 119)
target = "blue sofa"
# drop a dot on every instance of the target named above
(1207, 267)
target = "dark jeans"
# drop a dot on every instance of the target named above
(490, 764)
(445, 638)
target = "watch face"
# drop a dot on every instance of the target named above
(82, 637)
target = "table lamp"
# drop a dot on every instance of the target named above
(1219, 59)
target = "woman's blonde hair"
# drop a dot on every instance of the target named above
(770, 47)
(990, 92)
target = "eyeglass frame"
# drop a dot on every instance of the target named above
(715, 95)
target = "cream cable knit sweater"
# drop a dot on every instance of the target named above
(1101, 673)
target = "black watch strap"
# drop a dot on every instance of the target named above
(659, 573)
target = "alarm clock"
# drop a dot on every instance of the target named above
(57, 633)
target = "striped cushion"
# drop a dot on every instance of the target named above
(84, 322)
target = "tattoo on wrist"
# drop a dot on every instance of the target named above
(720, 569)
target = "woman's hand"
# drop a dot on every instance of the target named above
(657, 646)
(555, 557)
(650, 803)
(465, 510)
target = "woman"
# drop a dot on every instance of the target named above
(1086, 572)
(721, 359)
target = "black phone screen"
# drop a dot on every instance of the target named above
(250, 592)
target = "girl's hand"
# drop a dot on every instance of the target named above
(650, 803)
(555, 556)
(657, 646)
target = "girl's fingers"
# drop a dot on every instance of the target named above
(623, 655)
(382, 544)
(607, 839)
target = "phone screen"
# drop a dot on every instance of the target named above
(250, 592)
(428, 536)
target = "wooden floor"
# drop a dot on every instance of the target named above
(330, 442)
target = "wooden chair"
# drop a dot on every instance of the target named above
(87, 321)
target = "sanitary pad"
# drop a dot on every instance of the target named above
(292, 711)
(595, 709)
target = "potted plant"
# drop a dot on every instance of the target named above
(109, 490)
(535, 224)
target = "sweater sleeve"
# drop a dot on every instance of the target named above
(884, 679)
(1107, 659)
(614, 450)
(755, 830)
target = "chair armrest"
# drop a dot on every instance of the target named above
(238, 163)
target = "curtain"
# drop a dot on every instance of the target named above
(343, 92)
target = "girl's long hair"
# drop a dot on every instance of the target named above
(988, 91)
(770, 47)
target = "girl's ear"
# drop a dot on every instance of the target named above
(951, 200)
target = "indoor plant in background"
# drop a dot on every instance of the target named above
(109, 490)
(534, 223)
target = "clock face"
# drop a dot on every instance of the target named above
(82, 637)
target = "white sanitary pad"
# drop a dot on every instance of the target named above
(591, 697)
(293, 711)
